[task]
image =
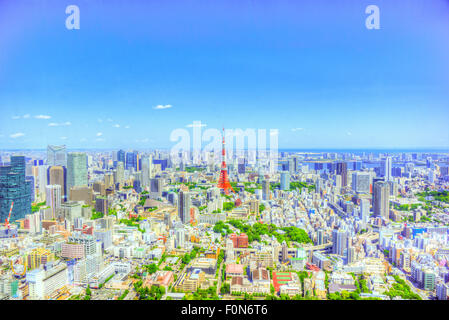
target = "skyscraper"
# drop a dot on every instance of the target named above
(386, 168)
(42, 181)
(265, 189)
(361, 182)
(180, 235)
(147, 170)
(291, 166)
(295, 160)
(241, 165)
(121, 156)
(184, 207)
(56, 155)
(339, 242)
(108, 180)
(14, 187)
(285, 180)
(101, 204)
(132, 160)
(58, 175)
(137, 185)
(156, 188)
(53, 196)
(342, 170)
(76, 170)
(120, 173)
(350, 254)
(364, 210)
(381, 199)
(32, 182)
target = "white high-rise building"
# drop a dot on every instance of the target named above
(86, 268)
(120, 173)
(431, 176)
(337, 179)
(147, 170)
(42, 283)
(42, 181)
(180, 237)
(34, 222)
(386, 166)
(364, 210)
(90, 160)
(229, 250)
(339, 242)
(53, 196)
(361, 182)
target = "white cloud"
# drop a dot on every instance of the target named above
(100, 120)
(126, 127)
(62, 124)
(116, 126)
(17, 135)
(196, 124)
(99, 134)
(160, 106)
(297, 129)
(63, 138)
(348, 133)
(26, 116)
(41, 116)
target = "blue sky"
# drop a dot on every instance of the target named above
(308, 68)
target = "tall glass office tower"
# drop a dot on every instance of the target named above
(381, 203)
(121, 156)
(132, 160)
(285, 180)
(14, 187)
(57, 155)
(76, 170)
(184, 207)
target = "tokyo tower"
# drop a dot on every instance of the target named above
(223, 181)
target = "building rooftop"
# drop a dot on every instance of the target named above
(260, 274)
(234, 268)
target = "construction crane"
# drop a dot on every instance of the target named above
(9, 216)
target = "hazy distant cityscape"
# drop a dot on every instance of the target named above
(319, 169)
(123, 224)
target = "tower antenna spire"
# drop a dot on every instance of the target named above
(223, 181)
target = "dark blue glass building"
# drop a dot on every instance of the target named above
(14, 187)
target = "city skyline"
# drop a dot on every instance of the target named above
(132, 74)
(230, 150)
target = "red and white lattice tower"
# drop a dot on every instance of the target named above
(223, 181)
